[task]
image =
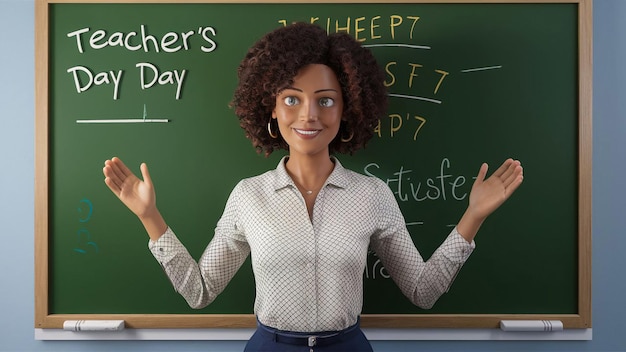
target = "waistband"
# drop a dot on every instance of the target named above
(306, 338)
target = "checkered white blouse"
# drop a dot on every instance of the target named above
(309, 271)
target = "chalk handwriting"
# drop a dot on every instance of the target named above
(444, 185)
(150, 75)
(415, 68)
(84, 243)
(170, 42)
(162, 78)
(363, 28)
(84, 79)
(86, 209)
(396, 122)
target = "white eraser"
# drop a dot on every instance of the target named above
(93, 325)
(531, 325)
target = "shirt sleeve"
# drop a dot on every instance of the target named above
(200, 282)
(423, 282)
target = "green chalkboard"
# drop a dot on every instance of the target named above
(468, 83)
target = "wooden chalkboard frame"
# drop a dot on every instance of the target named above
(43, 319)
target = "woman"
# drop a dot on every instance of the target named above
(309, 223)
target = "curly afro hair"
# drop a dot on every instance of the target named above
(271, 64)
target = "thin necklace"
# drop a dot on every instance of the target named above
(307, 191)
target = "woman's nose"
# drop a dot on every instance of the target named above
(310, 111)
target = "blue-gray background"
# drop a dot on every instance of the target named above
(17, 208)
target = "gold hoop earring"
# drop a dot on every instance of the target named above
(346, 140)
(269, 129)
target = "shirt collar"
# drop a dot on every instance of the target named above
(339, 177)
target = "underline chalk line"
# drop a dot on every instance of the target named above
(144, 119)
(481, 68)
(410, 46)
(124, 121)
(414, 98)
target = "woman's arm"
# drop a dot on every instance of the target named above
(423, 282)
(198, 282)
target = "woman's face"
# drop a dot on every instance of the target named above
(309, 111)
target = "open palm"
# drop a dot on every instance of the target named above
(139, 196)
(488, 194)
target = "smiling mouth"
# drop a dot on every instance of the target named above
(307, 132)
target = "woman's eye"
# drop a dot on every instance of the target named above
(291, 101)
(327, 102)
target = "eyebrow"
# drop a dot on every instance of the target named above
(317, 91)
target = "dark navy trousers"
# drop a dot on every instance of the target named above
(267, 339)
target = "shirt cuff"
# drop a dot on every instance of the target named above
(166, 247)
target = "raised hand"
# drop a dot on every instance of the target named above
(139, 196)
(489, 194)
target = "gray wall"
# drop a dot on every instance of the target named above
(17, 177)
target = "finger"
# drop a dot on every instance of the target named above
(108, 172)
(123, 169)
(516, 178)
(514, 185)
(111, 180)
(145, 174)
(506, 171)
(115, 172)
(517, 182)
(482, 173)
(514, 170)
(114, 187)
(503, 168)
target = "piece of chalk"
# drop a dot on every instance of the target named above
(93, 325)
(531, 325)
